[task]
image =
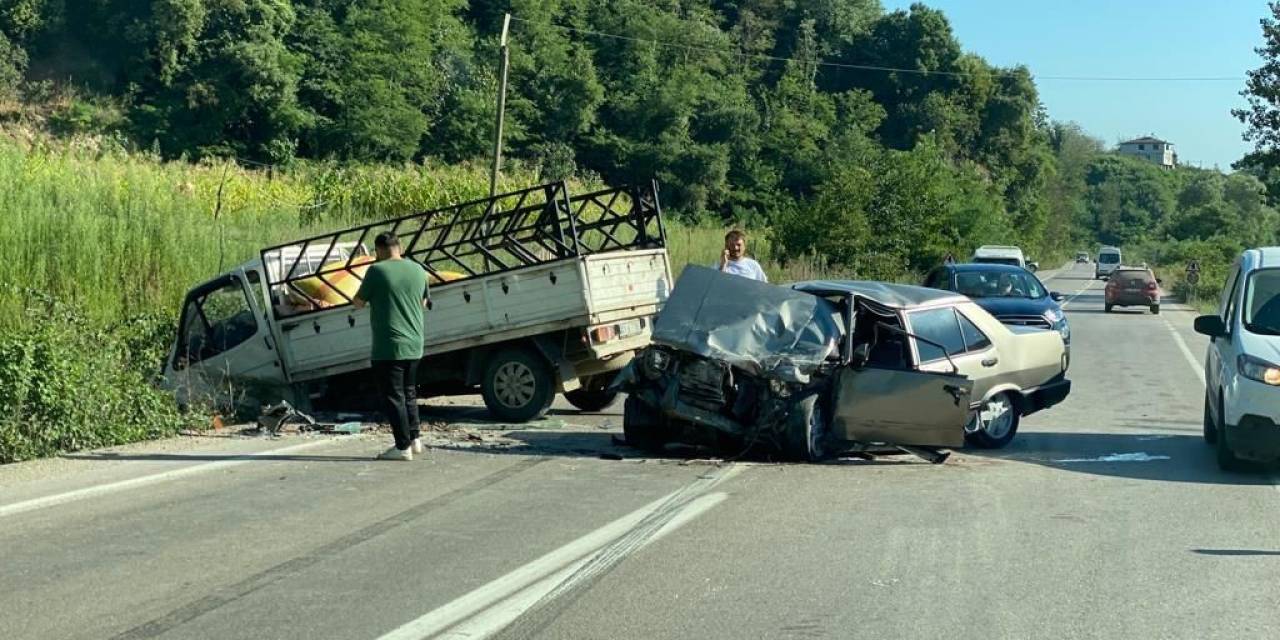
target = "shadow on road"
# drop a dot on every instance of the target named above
(1159, 457)
(210, 457)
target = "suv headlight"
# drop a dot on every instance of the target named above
(1058, 320)
(1258, 369)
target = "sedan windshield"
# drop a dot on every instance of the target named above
(998, 284)
(1262, 302)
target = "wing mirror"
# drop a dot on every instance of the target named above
(1211, 326)
(861, 354)
(1056, 297)
(1033, 267)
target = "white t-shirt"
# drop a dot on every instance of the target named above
(745, 267)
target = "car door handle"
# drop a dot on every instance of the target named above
(990, 362)
(957, 392)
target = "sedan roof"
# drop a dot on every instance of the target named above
(897, 296)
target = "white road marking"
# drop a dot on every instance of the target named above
(1118, 457)
(500, 616)
(1196, 366)
(1082, 291)
(90, 492)
(492, 606)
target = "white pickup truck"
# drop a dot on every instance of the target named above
(532, 293)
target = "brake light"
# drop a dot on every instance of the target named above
(1151, 286)
(604, 334)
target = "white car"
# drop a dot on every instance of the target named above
(1002, 254)
(1242, 370)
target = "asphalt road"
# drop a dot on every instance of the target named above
(531, 533)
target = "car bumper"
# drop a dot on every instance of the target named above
(1255, 437)
(1046, 396)
(1244, 398)
(1140, 300)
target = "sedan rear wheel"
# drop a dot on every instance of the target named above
(993, 425)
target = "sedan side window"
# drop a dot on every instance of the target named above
(940, 326)
(974, 339)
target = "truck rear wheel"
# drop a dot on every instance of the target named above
(594, 395)
(518, 385)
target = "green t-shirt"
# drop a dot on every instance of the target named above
(394, 290)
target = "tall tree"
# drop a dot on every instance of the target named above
(1262, 91)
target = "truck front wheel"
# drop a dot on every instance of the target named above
(518, 386)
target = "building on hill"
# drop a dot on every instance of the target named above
(1151, 149)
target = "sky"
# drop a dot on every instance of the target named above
(1126, 39)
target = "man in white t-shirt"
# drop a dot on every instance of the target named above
(734, 259)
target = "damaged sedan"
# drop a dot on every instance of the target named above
(825, 368)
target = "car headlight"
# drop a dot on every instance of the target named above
(1258, 369)
(655, 362)
(1053, 316)
(780, 388)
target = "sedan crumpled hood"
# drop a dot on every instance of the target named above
(761, 328)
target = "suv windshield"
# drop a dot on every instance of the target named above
(1262, 302)
(1109, 258)
(998, 284)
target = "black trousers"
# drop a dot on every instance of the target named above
(398, 388)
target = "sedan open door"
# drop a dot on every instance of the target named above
(901, 407)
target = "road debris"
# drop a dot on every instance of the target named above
(275, 417)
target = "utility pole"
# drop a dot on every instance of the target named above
(502, 107)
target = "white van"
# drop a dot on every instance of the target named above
(1002, 254)
(1108, 261)
(1242, 375)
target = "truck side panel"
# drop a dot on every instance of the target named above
(626, 284)
(531, 296)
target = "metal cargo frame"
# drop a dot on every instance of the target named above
(461, 242)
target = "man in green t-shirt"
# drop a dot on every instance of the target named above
(396, 290)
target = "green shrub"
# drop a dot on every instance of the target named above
(66, 385)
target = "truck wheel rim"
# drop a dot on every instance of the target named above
(994, 418)
(514, 384)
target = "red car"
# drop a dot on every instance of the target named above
(1133, 287)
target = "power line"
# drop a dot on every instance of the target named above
(877, 68)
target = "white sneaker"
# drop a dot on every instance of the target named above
(417, 446)
(396, 454)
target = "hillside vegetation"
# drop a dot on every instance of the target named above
(148, 145)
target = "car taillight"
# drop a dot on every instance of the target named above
(604, 334)
(1151, 286)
